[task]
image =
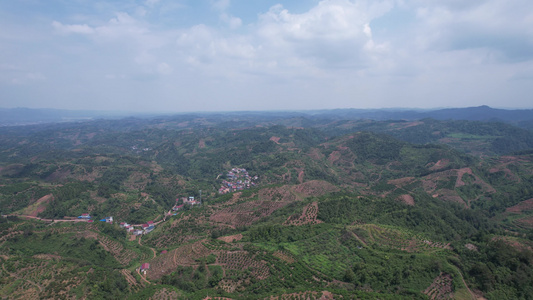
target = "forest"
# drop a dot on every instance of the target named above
(343, 207)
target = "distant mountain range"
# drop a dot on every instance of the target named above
(520, 117)
(27, 116)
(479, 113)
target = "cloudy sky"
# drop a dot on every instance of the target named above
(227, 55)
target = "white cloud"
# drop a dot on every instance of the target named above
(220, 4)
(67, 29)
(344, 50)
(233, 22)
(151, 3)
(333, 34)
(504, 30)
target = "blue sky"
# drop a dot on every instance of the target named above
(227, 55)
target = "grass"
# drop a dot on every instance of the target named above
(463, 294)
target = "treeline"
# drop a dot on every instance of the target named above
(437, 219)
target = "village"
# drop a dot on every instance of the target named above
(180, 204)
(236, 180)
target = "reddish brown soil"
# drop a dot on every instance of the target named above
(407, 199)
(325, 295)
(183, 256)
(449, 195)
(526, 222)
(301, 176)
(284, 256)
(270, 200)
(315, 188)
(231, 238)
(440, 164)
(520, 246)
(308, 216)
(441, 288)
(242, 260)
(459, 182)
(38, 207)
(245, 214)
(201, 144)
(471, 247)
(275, 139)
(47, 256)
(315, 154)
(399, 126)
(522, 206)
(164, 294)
(121, 254)
(430, 183)
(59, 175)
(334, 156)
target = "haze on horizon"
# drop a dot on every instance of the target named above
(234, 55)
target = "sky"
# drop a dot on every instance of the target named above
(235, 55)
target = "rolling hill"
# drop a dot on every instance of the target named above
(426, 209)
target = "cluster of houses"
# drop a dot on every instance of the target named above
(146, 228)
(237, 179)
(108, 220)
(138, 150)
(87, 217)
(185, 201)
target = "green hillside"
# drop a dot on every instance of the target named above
(325, 208)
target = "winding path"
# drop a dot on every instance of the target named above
(153, 250)
(466, 286)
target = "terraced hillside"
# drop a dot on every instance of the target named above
(334, 212)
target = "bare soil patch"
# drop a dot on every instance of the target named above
(407, 199)
(520, 246)
(183, 256)
(459, 182)
(401, 181)
(59, 175)
(315, 188)
(308, 216)
(164, 294)
(441, 288)
(231, 238)
(449, 195)
(315, 154)
(334, 156)
(275, 139)
(440, 164)
(38, 207)
(399, 126)
(201, 144)
(525, 222)
(242, 260)
(301, 176)
(284, 256)
(247, 213)
(522, 206)
(471, 247)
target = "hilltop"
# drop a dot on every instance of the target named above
(267, 205)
